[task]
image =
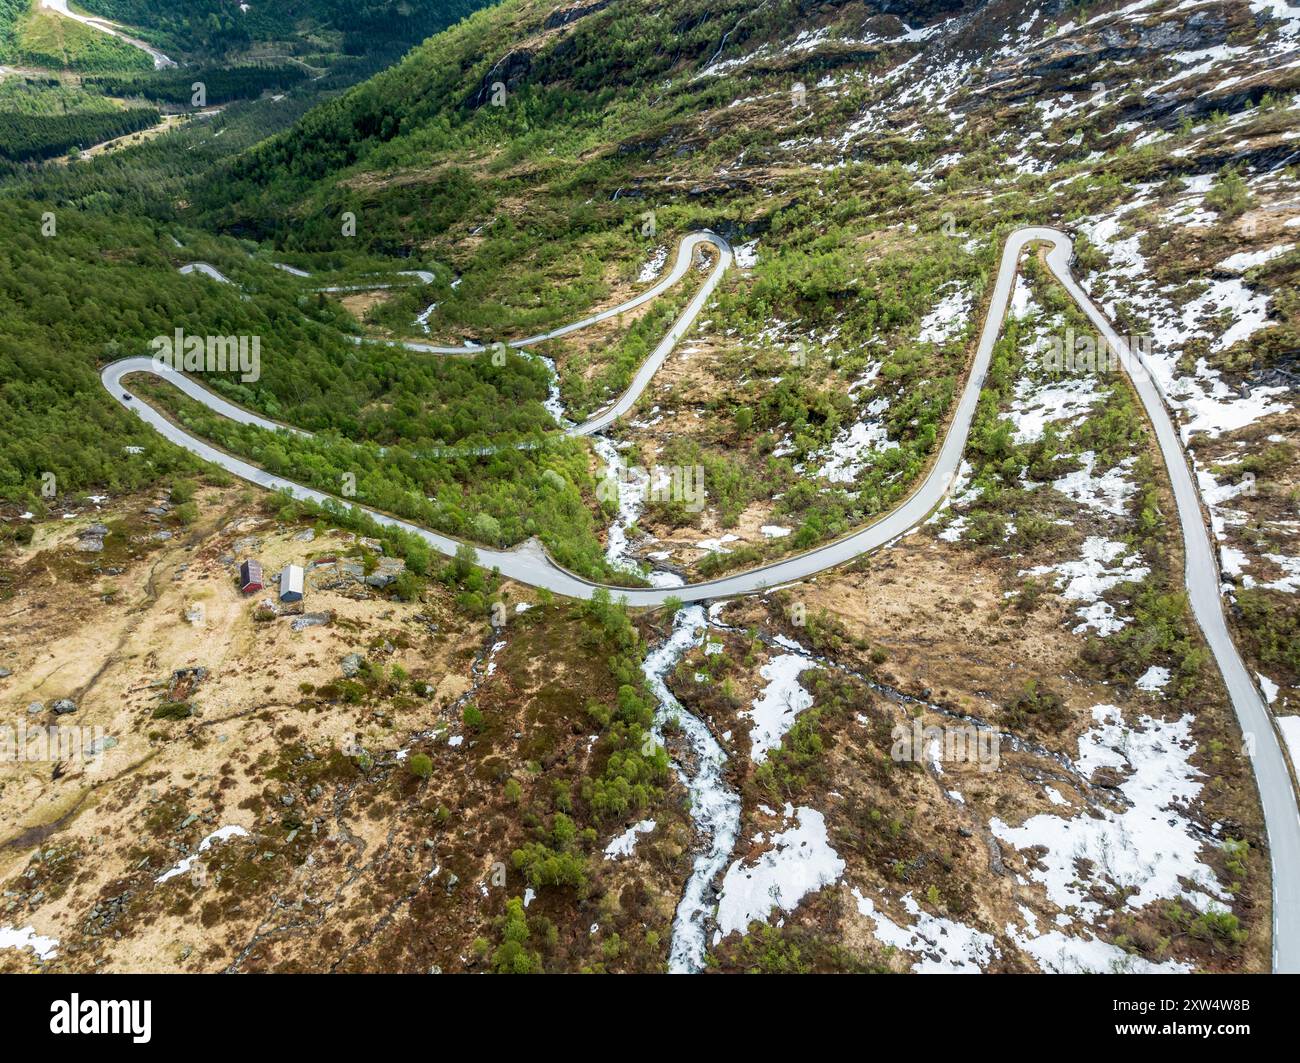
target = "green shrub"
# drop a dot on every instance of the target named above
(1229, 195)
(513, 956)
(1037, 707)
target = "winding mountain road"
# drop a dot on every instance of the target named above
(530, 564)
(685, 257)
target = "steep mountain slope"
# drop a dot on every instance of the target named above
(875, 154)
(997, 744)
(218, 27)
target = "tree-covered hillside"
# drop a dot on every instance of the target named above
(533, 156)
(213, 27)
(34, 36)
(40, 119)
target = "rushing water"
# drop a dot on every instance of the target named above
(631, 484)
(553, 405)
(715, 808)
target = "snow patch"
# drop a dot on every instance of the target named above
(945, 946)
(27, 938)
(1153, 679)
(626, 842)
(949, 315)
(219, 835)
(800, 861)
(1150, 848)
(1102, 567)
(774, 711)
(1108, 493)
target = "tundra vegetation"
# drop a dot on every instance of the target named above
(530, 215)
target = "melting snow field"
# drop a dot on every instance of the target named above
(1022, 298)
(1207, 403)
(1215, 495)
(653, 266)
(1102, 567)
(947, 320)
(801, 861)
(960, 494)
(946, 947)
(1107, 493)
(1059, 953)
(1244, 260)
(775, 709)
(1150, 847)
(852, 449)
(1290, 582)
(1036, 405)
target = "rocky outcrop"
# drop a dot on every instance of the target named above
(90, 540)
(564, 17)
(510, 70)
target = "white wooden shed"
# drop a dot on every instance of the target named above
(291, 583)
